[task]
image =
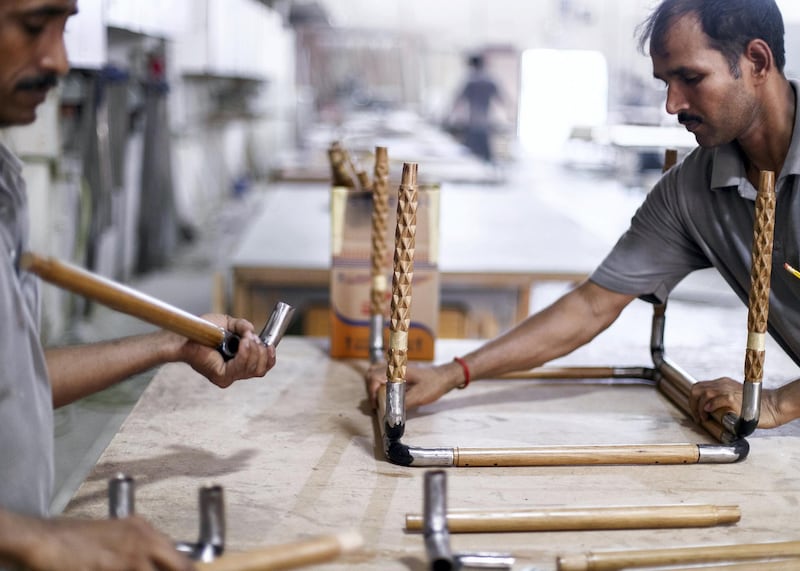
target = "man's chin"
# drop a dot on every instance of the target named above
(19, 118)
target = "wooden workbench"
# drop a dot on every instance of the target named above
(296, 453)
(285, 253)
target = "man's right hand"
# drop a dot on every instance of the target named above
(424, 385)
(109, 545)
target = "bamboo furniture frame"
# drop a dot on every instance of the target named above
(729, 429)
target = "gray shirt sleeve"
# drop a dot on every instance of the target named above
(656, 252)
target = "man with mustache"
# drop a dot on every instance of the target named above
(33, 379)
(722, 63)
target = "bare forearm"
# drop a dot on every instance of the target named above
(76, 372)
(787, 402)
(570, 322)
(18, 535)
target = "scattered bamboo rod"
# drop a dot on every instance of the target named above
(767, 565)
(616, 560)
(289, 555)
(582, 519)
(126, 300)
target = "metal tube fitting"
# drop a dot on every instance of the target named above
(277, 324)
(377, 352)
(120, 496)
(437, 536)
(211, 543)
(394, 420)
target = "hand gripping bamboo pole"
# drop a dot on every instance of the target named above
(287, 556)
(378, 286)
(132, 302)
(582, 519)
(634, 559)
(400, 321)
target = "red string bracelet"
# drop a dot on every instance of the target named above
(463, 364)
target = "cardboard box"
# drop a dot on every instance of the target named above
(351, 227)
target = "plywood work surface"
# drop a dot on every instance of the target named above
(297, 456)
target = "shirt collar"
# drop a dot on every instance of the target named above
(728, 170)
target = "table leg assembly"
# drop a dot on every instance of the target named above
(729, 429)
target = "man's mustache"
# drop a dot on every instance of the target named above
(39, 82)
(685, 118)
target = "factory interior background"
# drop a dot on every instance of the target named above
(180, 116)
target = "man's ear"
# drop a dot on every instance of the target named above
(758, 58)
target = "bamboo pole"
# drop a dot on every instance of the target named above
(767, 565)
(616, 560)
(125, 299)
(578, 455)
(561, 373)
(405, 242)
(582, 519)
(378, 250)
(400, 319)
(337, 155)
(758, 303)
(289, 555)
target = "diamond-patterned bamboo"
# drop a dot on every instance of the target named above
(380, 217)
(403, 274)
(761, 269)
(337, 155)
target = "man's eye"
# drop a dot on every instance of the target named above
(34, 26)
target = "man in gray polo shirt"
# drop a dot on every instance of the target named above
(32, 379)
(722, 64)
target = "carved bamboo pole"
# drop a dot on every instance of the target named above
(400, 320)
(758, 304)
(338, 157)
(378, 285)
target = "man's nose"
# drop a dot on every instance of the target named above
(676, 102)
(53, 55)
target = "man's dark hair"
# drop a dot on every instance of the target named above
(729, 24)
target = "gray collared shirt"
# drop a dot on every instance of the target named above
(26, 405)
(701, 214)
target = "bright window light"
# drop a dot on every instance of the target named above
(561, 89)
